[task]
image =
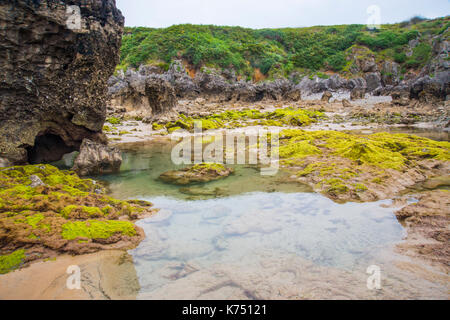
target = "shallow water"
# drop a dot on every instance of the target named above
(249, 237)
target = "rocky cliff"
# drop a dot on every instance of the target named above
(55, 60)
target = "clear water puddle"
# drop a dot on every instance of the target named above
(254, 237)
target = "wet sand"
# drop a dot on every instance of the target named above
(104, 275)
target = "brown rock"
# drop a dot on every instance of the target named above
(327, 96)
(161, 96)
(346, 103)
(357, 93)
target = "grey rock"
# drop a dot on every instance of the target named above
(161, 96)
(373, 80)
(96, 158)
(357, 93)
(36, 181)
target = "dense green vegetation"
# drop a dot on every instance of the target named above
(278, 51)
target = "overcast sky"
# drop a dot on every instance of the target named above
(274, 13)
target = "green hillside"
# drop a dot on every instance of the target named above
(278, 52)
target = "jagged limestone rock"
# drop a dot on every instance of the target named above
(55, 60)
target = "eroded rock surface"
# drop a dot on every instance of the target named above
(203, 172)
(96, 158)
(427, 222)
(53, 75)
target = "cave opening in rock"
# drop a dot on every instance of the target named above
(48, 148)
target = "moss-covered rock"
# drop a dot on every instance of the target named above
(363, 168)
(247, 117)
(199, 173)
(53, 217)
(93, 229)
(9, 262)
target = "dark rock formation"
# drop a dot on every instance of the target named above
(373, 81)
(400, 97)
(161, 96)
(369, 76)
(54, 67)
(96, 158)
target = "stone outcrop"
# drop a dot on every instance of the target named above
(55, 60)
(161, 96)
(357, 93)
(327, 95)
(367, 75)
(96, 158)
(199, 173)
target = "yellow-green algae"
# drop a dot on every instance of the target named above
(338, 162)
(207, 166)
(10, 262)
(241, 118)
(35, 216)
(94, 229)
(384, 150)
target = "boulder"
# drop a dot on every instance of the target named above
(400, 97)
(53, 74)
(295, 94)
(36, 181)
(96, 158)
(346, 103)
(429, 89)
(199, 173)
(373, 81)
(327, 95)
(357, 93)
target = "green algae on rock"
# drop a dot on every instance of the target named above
(199, 173)
(64, 214)
(93, 229)
(12, 261)
(347, 166)
(242, 118)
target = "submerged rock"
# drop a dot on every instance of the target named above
(198, 173)
(96, 158)
(56, 98)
